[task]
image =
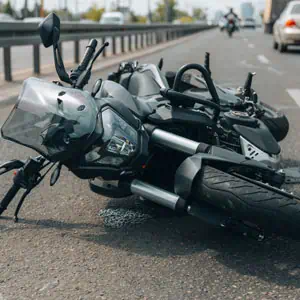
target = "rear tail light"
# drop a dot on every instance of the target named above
(290, 23)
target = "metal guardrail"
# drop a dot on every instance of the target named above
(19, 34)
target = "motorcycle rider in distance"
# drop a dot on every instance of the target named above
(232, 16)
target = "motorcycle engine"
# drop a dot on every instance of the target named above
(233, 117)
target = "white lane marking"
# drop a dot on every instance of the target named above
(251, 46)
(244, 63)
(261, 58)
(295, 95)
(286, 107)
(277, 72)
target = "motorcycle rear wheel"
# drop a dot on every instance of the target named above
(244, 200)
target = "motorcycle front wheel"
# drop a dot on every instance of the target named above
(246, 201)
(276, 121)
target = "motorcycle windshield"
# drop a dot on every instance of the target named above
(51, 119)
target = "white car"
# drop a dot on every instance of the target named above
(287, 28)
(33, 20)
(248, 23)
(6, 18)
(115, 18)
(222, 23)
(87, 21)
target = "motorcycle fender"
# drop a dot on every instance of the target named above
(192, 166)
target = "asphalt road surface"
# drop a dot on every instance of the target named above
(61, 249)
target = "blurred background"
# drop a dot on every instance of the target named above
(134, 11)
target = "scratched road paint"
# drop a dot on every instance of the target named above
(244, 63)
(251, 46)
(295, 95)
(261, 58)
(275, 71)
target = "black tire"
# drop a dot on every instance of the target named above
(276, 121)
(282, 48)
(275, 45)
(246, 201)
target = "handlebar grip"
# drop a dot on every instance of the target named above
(88, 55)
(177, 98)
(9, 197)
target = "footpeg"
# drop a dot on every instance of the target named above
(217, 218)
(244, 229)
(292, 175)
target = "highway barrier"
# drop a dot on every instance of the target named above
(138, 35)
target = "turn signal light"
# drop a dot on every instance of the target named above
(290, 23)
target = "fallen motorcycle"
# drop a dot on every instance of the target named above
(105, 137)
(236, 127)
(241, 98)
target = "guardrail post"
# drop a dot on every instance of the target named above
(7, 64)
(136, 42)
(114, 46)
(104, 51)
(122, 44)
(76, 52)
(130, 43)
(157, 37)
(36, 59)
(143, 40)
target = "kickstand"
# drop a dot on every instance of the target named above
(292, 175)
(25, 194)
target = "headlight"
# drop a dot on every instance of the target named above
(119, 141)
(120, 146)
(120, 137)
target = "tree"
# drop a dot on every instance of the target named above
(173, 12)
(262, 14)
(94, 13)
(138, 18)
(181, 14)
(186, 19)
(7, 9)
(198, 13)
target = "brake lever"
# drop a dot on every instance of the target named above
(11, 165)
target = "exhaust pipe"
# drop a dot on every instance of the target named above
(158, 196)
(174, 141)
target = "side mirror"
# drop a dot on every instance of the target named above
(50, 33)
(50, 30)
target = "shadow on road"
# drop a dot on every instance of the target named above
(276, 260)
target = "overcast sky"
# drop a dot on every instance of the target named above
(141, 6)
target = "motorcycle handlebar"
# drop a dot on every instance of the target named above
(9, 197)
(88, 55)
(177, 99)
